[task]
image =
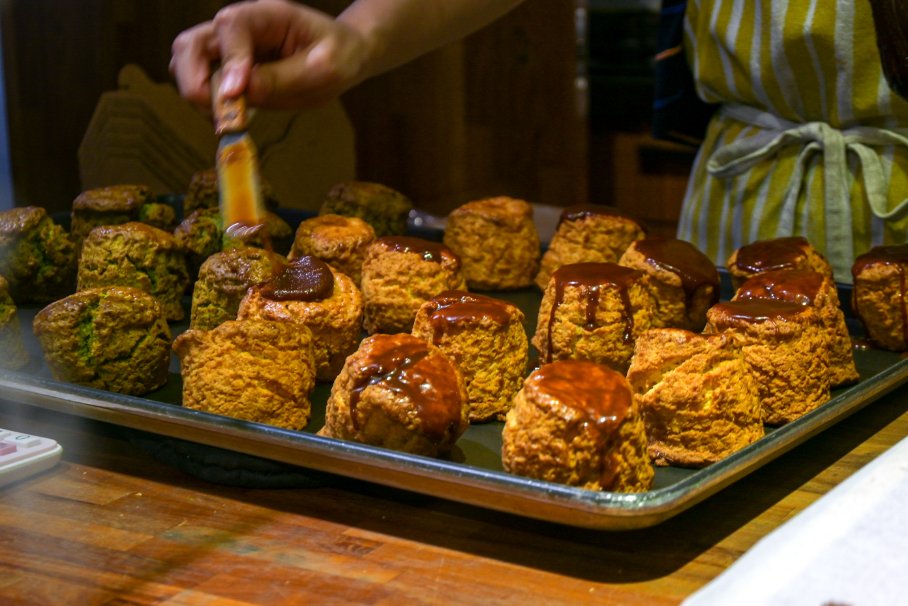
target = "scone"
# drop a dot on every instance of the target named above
(114, 338)
(398, 392)
(588, 233)
(819, 291)
(382, 207)
(684, 282)
(223, 281)
(785, 346)
(791, 252)
(199, 235)
(879, 296)
(37, 256)
(339, 241)
(593, 311)
(577, 423)
(697, 396)
(496, 241)
(400, 273)
(309, 292)
(118, 204)
(12, 345)
(138, 255)
(256, 370)
(486, 339)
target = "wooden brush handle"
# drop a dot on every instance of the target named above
(229, 114)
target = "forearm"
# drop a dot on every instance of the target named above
(400, 30)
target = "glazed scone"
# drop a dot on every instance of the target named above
(588, 233)
(398, 392)
(577, 423)
(256, 370)
(223, 281)
(785, 346)
(792, 252)
(117, 204)
(697, 396)
(309, 292)
(819, 291)
(339, 241)
(879, 298)
(400, 273)
(12, 345)
(684, 282)
(114, 338)
(496, 241)
(137, 255)
(37, 256)
(486, 339)
(593, 311)
(382, 207)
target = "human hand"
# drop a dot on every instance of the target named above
(278, 53)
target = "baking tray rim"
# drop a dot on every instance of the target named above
(441, 478)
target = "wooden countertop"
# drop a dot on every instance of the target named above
(113, 524)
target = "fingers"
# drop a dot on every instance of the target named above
(192, 54)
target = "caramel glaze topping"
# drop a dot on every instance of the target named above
(401, 363)
(755, 311)
(799, 286)
(305, 278)
(428, 250)
(684, 260)
(461, 307)
(599, 394)
(591, 277)
(896, 255)
(583, 211)
(775, 253)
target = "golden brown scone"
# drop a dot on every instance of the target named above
(593, 311)
(792, 252)
(398, 392)
(684, 282)
(256, 370)
(496, 241)
(138, 255)
(339, 241)
(786, 348)
(486, 339)
(310, 292)
(114, 338)
(37, 257)
(117, 204)
(14, 356)
(223, 281)
(401, 273)
(588, 233)
(879, 298)
(382, 207)
(819, 291)
(577, 423)
(697, 396)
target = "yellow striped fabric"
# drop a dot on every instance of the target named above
(811, 68)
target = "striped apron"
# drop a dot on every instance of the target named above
(809, 139)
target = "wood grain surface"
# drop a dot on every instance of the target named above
(113, 525)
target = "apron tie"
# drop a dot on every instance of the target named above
(815, 137)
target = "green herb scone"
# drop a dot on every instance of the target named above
(117, 204)
(114, 338)
(11, 344)
(138, 255)
(37, 256)
(385, 209)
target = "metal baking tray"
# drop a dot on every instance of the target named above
(473, 473)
